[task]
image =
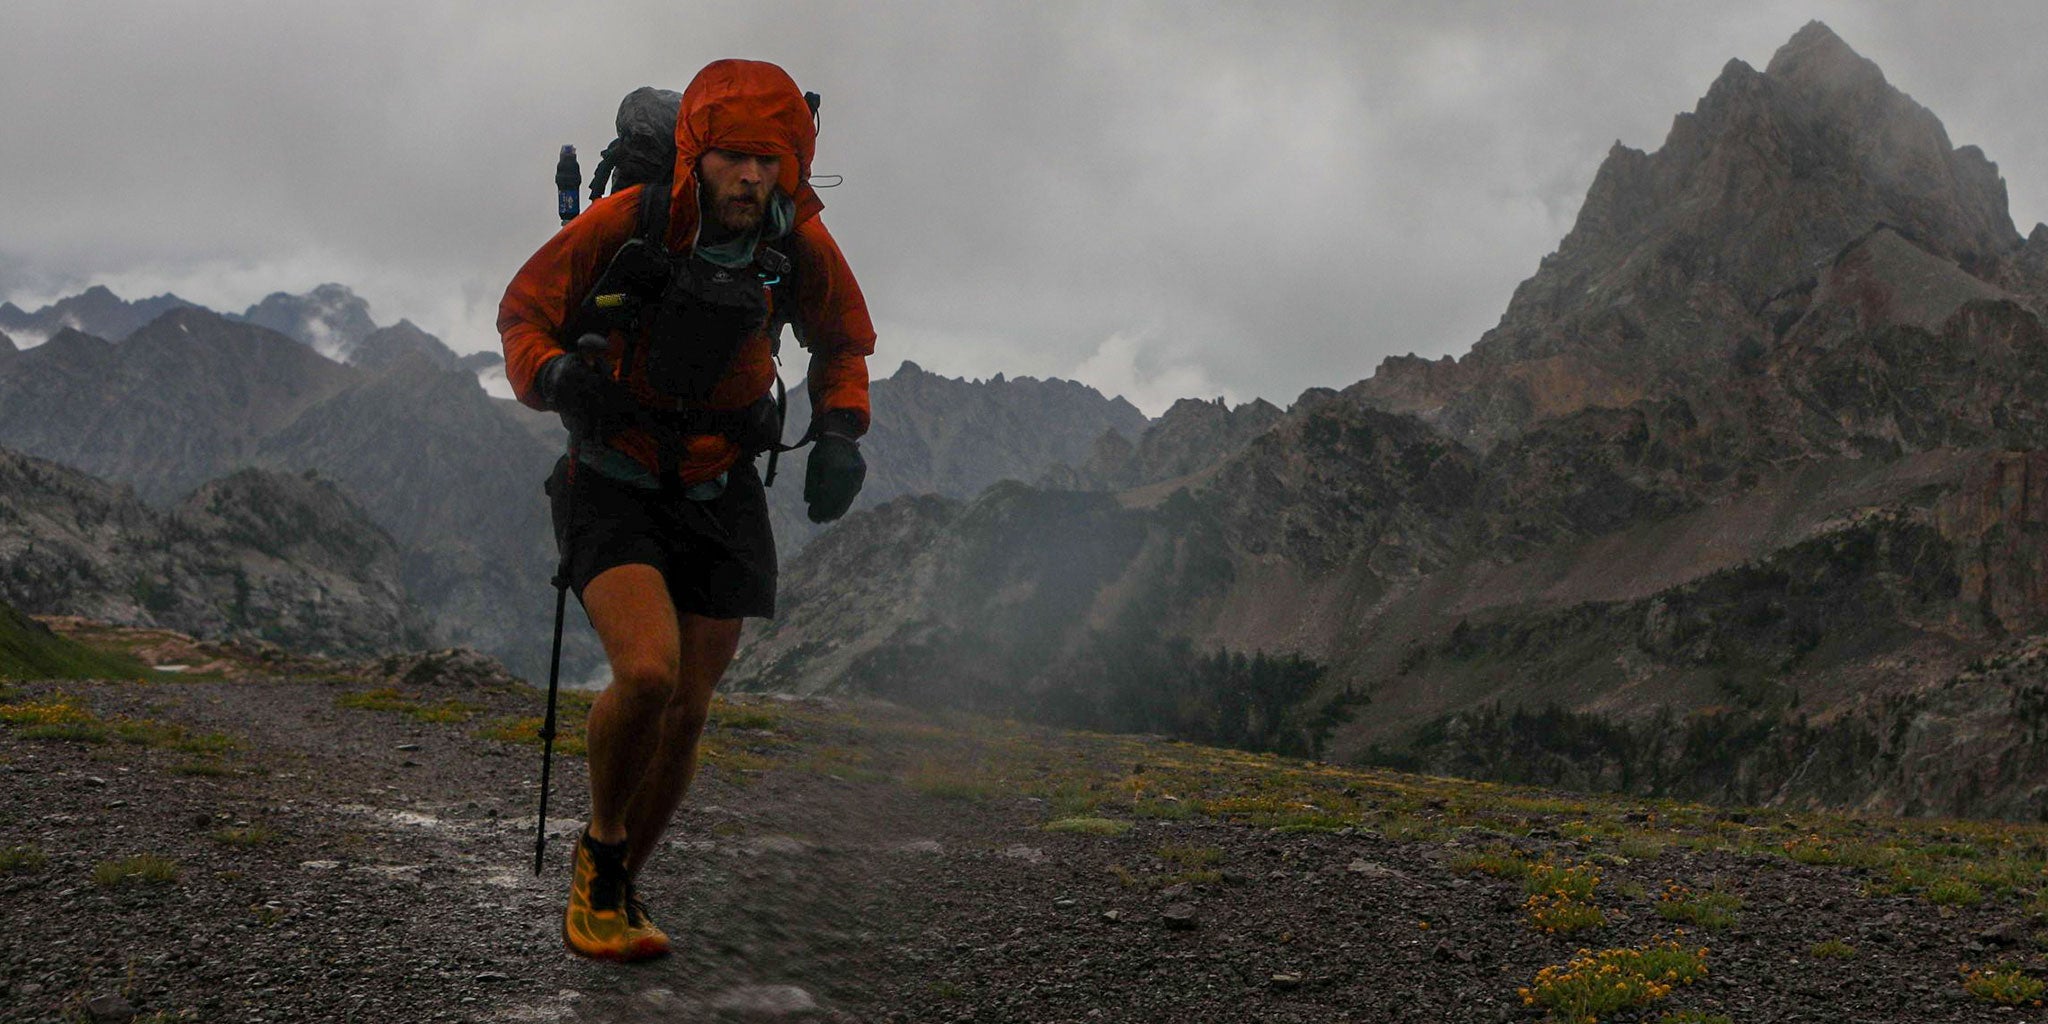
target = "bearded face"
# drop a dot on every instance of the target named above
(734, 189)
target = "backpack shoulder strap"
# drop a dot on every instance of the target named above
(653, 227)
(784, 260)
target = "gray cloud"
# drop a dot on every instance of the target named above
(1242, 199)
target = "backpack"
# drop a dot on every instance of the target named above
(645, 149)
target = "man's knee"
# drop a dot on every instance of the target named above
(686, 713)
(646, 682)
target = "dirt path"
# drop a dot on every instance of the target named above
(351, 864)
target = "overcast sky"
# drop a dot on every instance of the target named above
(1159, 199)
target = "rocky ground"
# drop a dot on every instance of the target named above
(354, 842)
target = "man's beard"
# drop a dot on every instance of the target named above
(738, 217)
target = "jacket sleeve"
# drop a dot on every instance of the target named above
(547, 290)
(832, 322)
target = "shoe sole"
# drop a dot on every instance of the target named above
(630, 955)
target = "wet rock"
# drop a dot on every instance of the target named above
(110, 1009)
(457, 668)
(1286, 982)
(1373, 869)
(1180, 917)
(764, 1002)
(787, 846)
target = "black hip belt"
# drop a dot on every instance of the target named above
(725, 422)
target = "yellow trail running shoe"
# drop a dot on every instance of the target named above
(653, 941)
(600, 922)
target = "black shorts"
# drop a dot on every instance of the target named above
(718, 556)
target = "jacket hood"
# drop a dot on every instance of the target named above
(747, 106)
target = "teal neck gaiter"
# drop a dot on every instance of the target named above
(738, 251)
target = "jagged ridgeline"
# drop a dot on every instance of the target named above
(167, 397)
(281, 558)
(1742, 499)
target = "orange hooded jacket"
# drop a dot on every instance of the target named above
(748, 107)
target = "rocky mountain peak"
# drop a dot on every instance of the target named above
(7, 345)
(1713, 243)
(1194, 436)
(387, 345)
(1816, 54)
(331, 318)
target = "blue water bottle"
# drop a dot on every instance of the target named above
(567, 177)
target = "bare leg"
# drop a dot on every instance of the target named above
(636, 620)
(707, 648)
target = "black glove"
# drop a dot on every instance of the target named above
(591, 404)
(835, 471)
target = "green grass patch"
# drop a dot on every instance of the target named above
(1832, 949)
(67, 732)
(847, 763)
(1823, 850)
(141, 869)
(730, 716)
(1500, 863)
(56, 709)
(22, 860)
(1074, 800)
(390, 699)
(29, 650)
(252, 835)
(1636, 847)
(732, 761)
(1090, 826)
(170, 736)
(1954, 892)
(1562, 914)
(568, 741)
(1552, 878)
(2005, 984)
(938, 780)
(1310, 821)
(1595, 986)
(1163, 810)
(1191, 856)
(1713, 911)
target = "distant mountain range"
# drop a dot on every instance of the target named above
(283, 558)
(404, 428)
(1743, 499)
(330, 319)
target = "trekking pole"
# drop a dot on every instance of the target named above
(547, 728)
(588, 343)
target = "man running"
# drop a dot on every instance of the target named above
(658, 510)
